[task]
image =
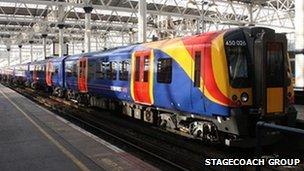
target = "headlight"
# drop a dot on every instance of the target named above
(244, 97)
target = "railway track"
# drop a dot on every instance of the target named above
(166, 150)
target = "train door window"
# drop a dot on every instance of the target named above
(197, 69)
(123, 71)
(68, 69)
(164, 70)
(83, 68)
(80, 69)
(137, 69)
(56, 69)
(275, 66)
(146, 68)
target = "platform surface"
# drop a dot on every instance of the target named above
(33, 138)
(300, 109)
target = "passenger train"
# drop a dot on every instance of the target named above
(213, 86)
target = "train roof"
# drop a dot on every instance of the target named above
(39, 62)
(57, 59)
(118, 50)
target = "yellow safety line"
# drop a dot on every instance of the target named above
(63, 149)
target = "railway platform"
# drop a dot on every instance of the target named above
(33, 138)
(300, 109)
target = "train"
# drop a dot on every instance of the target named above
(213, 86)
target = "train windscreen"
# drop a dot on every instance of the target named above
(237, 59)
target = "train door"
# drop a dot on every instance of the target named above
(140, 76)
(48, 75)
(35, 73)
(82, 75)
(275, 70)
(197, 92)
(270, 73)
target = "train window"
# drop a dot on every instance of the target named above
(137, 68)
(112, 71)
(275, 66)
(105, 68)
(100, 69)
(91, 69)
(197, 69)
(164, 70)
(146, 68)
(124, 70)
(68, 69)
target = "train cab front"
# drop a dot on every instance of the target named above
(260, 79)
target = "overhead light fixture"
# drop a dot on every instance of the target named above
(193, 2)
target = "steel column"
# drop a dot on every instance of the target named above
(61, 40)
(73, 47)
(82, 51)
(250, 14)
(87, 36)
(131, 37)
(142, 21)
(203, 17)
(96, 39)
(299, 25)
(20, 54)
(8, 48)
(122, 39)
(105, 42)
(44, 44)
(31, 50)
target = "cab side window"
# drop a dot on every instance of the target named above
(164, 70)
(197, 69)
